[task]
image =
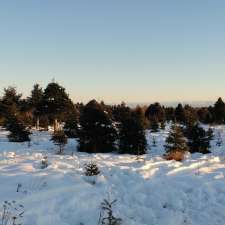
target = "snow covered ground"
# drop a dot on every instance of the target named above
(149, 191)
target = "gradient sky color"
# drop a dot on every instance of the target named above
(115, 50)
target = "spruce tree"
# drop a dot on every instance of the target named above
(219, 111)
(199, 139)
(156, 115)
(71, 125)
(179, 114)
(35, 102)
(18, 131)
(176, 140)
(10, 102)
(55, 103)
(132, 138)
(60, 139)
(96, 132)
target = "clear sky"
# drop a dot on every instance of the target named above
(115, 50)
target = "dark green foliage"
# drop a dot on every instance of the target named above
(155, 114)
(96, 132)
(60, 139)
(155, 111)
(191, 116)
(199, 139)
(169, 114)
(176, 140)
(139, 113)
(179, 114)
(219, 111)
(205, 115)
(132, 136)
(120, 111)
(55, 103)
(17, 129)
(91, 169)
(10, 102)
(71, 126)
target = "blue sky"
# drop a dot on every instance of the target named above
(115, 50)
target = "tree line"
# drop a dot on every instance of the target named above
(100, 127)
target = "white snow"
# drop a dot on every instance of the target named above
(149, 191)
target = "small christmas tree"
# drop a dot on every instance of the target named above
(60, 139)
(91, 169)
(18, 131)
(175, 143)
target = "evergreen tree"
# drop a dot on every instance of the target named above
(10, 102)
(205, 115)
(35, 101)
(96, 132)
(140, 115)
(179, 114)
(155, 114)
(219, 111)
(60, 139)
(132, 138)
(56, 103)
(71, 126)
(18, 131)
(199, 139)
(176, 140)
(191, 116)
(169, 114)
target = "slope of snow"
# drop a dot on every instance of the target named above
(149, 191)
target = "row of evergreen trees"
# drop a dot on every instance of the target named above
(100, 127)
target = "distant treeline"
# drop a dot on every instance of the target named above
(97, 125)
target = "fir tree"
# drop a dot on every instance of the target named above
(96, 132)
(176, 140)
(71, 126)
(132, 138)
(199, 139)
(60, 139)
(18, 131)
(35, 101)
(91, 169)
(55, 103)
(179, 114)
(219, 111)
(10, 102)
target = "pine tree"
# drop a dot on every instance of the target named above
(71, 126)
(219, 111)
(179, 114)
(176, 140)
(199, 139)
(60, 139)
(91, 169)
(175, 144)
(35, 101)
(10, 102)
(132, 138)
(96, 132)
(55, 103)
(156, 115)
(18, 131)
